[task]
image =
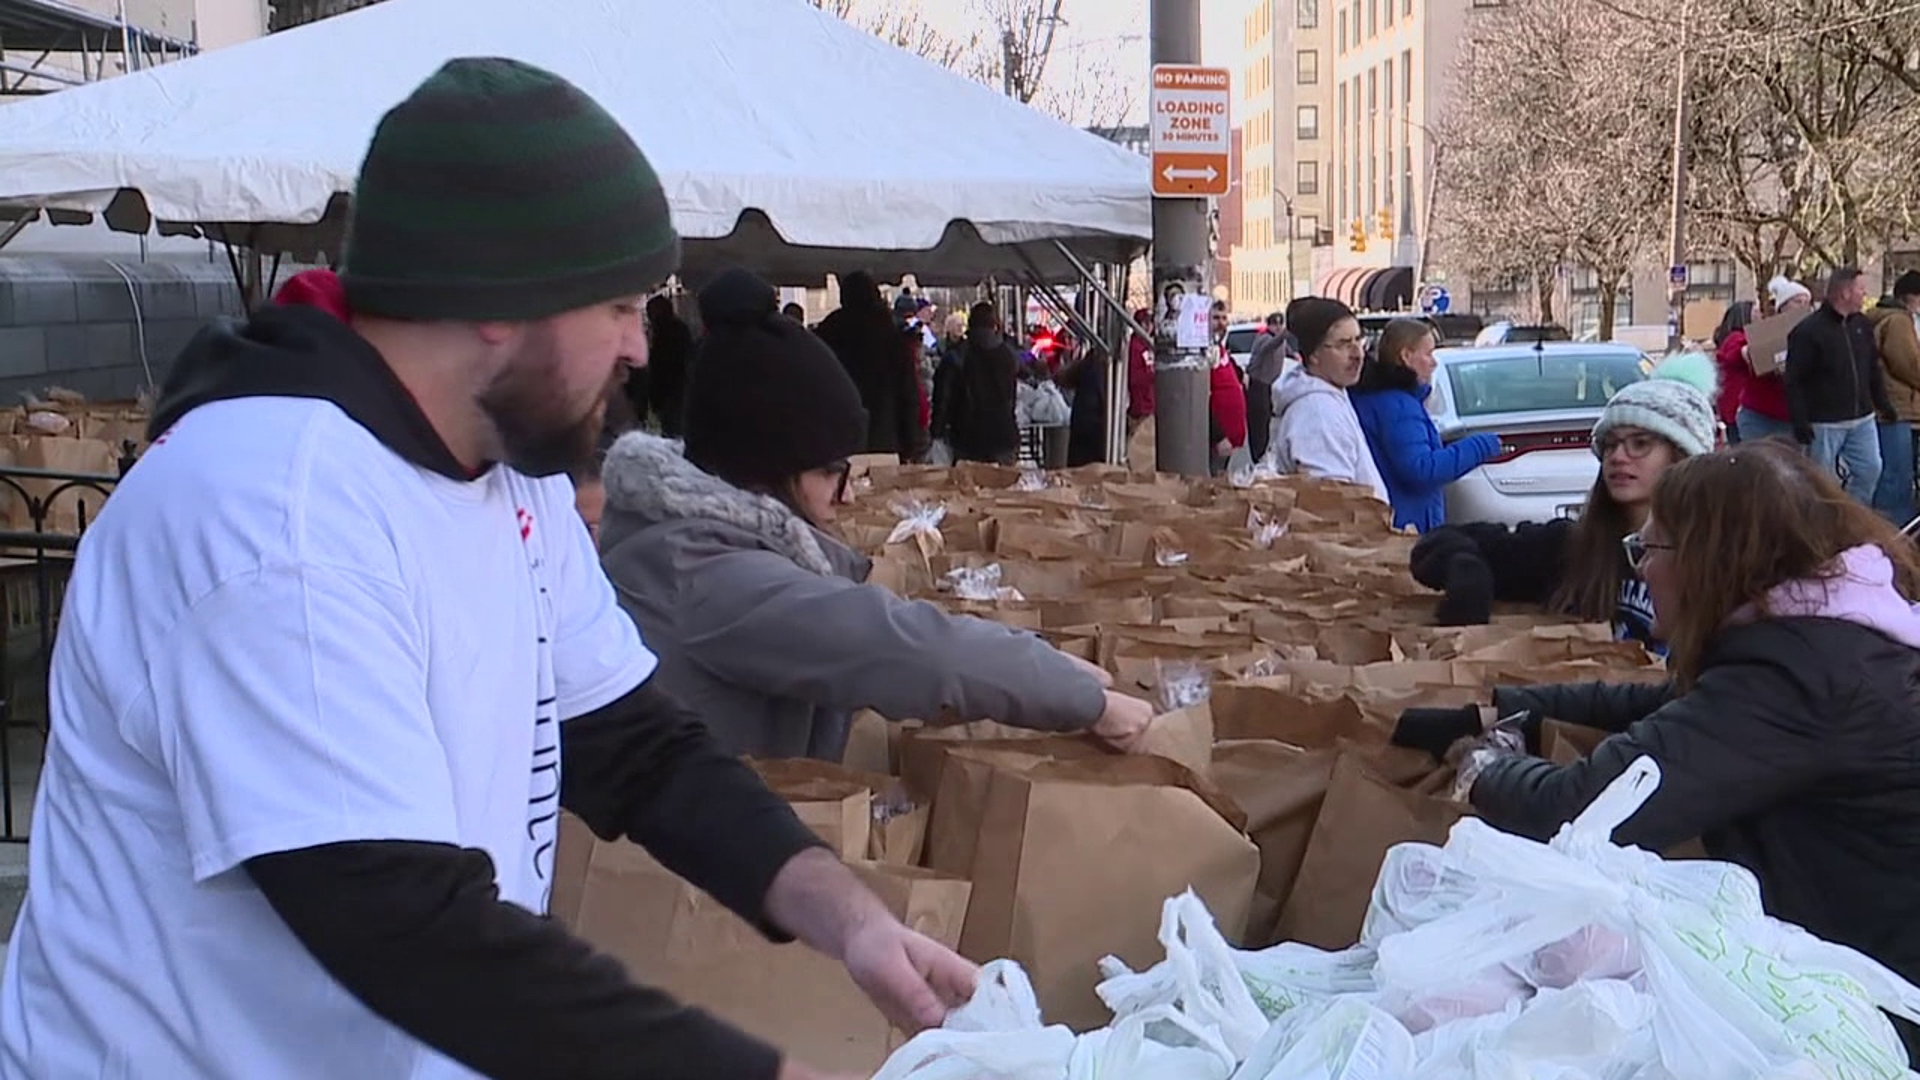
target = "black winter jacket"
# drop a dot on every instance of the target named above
(875, 354)
(974, 392)
(1833, 372)
(1479, 563)
(1796, 755)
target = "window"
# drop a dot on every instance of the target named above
(1308, 122)
(1406, 8)
(1307, 177)
(1307, 14)
(1310, 226)
(1389, 14)
(1373, 17)
(1307, 66)
(1543, 382)
(1341, 37)
(1406, 81)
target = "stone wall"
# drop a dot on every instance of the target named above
(76, 322)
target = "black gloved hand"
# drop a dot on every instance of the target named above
(1434, 730)
(1469, 599)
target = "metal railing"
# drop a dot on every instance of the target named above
(35, 564)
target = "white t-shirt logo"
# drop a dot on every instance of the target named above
(543, 799)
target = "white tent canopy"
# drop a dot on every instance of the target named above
(788, 141)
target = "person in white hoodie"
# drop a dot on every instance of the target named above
(1315, 430)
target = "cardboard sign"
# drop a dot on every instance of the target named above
(1767, 341)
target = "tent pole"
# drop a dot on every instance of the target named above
(1113, 303)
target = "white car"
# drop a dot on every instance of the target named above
(1241, 337)
(1542, 400)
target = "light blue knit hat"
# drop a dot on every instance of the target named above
(1674, 402)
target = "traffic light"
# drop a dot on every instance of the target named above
(1385, 221)
(1357, 240)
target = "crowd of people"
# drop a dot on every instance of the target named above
(378, 603)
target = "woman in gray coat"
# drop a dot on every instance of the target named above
(762, 621)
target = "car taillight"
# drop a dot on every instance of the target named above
(1514, 445)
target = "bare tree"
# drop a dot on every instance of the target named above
(1024, 32)
(906, 26)
(1097, 93)
(1548, 155)
(1802, 144)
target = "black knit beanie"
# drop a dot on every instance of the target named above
(766, 400)
(1312, 318)
(501, 191)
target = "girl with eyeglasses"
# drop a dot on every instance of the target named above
(1786, 739)
(762, 619)
(1577, 566)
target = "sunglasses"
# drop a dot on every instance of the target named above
(1637, 445)
(1639, 551)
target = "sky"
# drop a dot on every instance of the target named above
(1116, 30)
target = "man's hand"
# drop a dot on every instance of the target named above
(1224, 447)
(1102, 675)
(912, 978)
(1124, 723)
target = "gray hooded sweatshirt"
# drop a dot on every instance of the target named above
(764, 625)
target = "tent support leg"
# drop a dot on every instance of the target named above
(16, 227)
(1113, 303)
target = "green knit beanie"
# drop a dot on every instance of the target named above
(499, 191)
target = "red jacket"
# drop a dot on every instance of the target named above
(1227, 400)
(316, 288)
(1140, 378)
(1734, 375)
(1764, 394)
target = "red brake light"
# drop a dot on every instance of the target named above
(1514, 445)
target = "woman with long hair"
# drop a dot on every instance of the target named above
(1730, 355)
(1789, 737)
(1576, 567)
(763, 621)
(1391, 401)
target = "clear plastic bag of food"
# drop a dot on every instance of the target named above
(1266, 530)
(1181, 683)
(978, 583)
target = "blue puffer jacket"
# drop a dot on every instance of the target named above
(1408, 451)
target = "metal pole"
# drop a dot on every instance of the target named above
(1677, 247)
(1181, 262)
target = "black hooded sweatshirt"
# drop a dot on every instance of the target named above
(416, 931)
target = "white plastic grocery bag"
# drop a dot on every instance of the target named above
(1737, 994)
(1339, 1039)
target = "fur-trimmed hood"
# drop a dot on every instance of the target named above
(649, 481)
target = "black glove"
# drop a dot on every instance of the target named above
(1469, 599)
(1434, 730)
(1435, 552)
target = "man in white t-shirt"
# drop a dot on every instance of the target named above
(339, 650)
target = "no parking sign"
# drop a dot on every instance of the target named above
(1434, 300)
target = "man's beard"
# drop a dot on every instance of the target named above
(540, 432)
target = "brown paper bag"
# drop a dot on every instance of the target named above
(74, 503)
(1185, 736)
(1564, 743)
(673, 936)
(1072, 860)
(1362, 817)
(835, 804)
(870, 741)
(1280, 788)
